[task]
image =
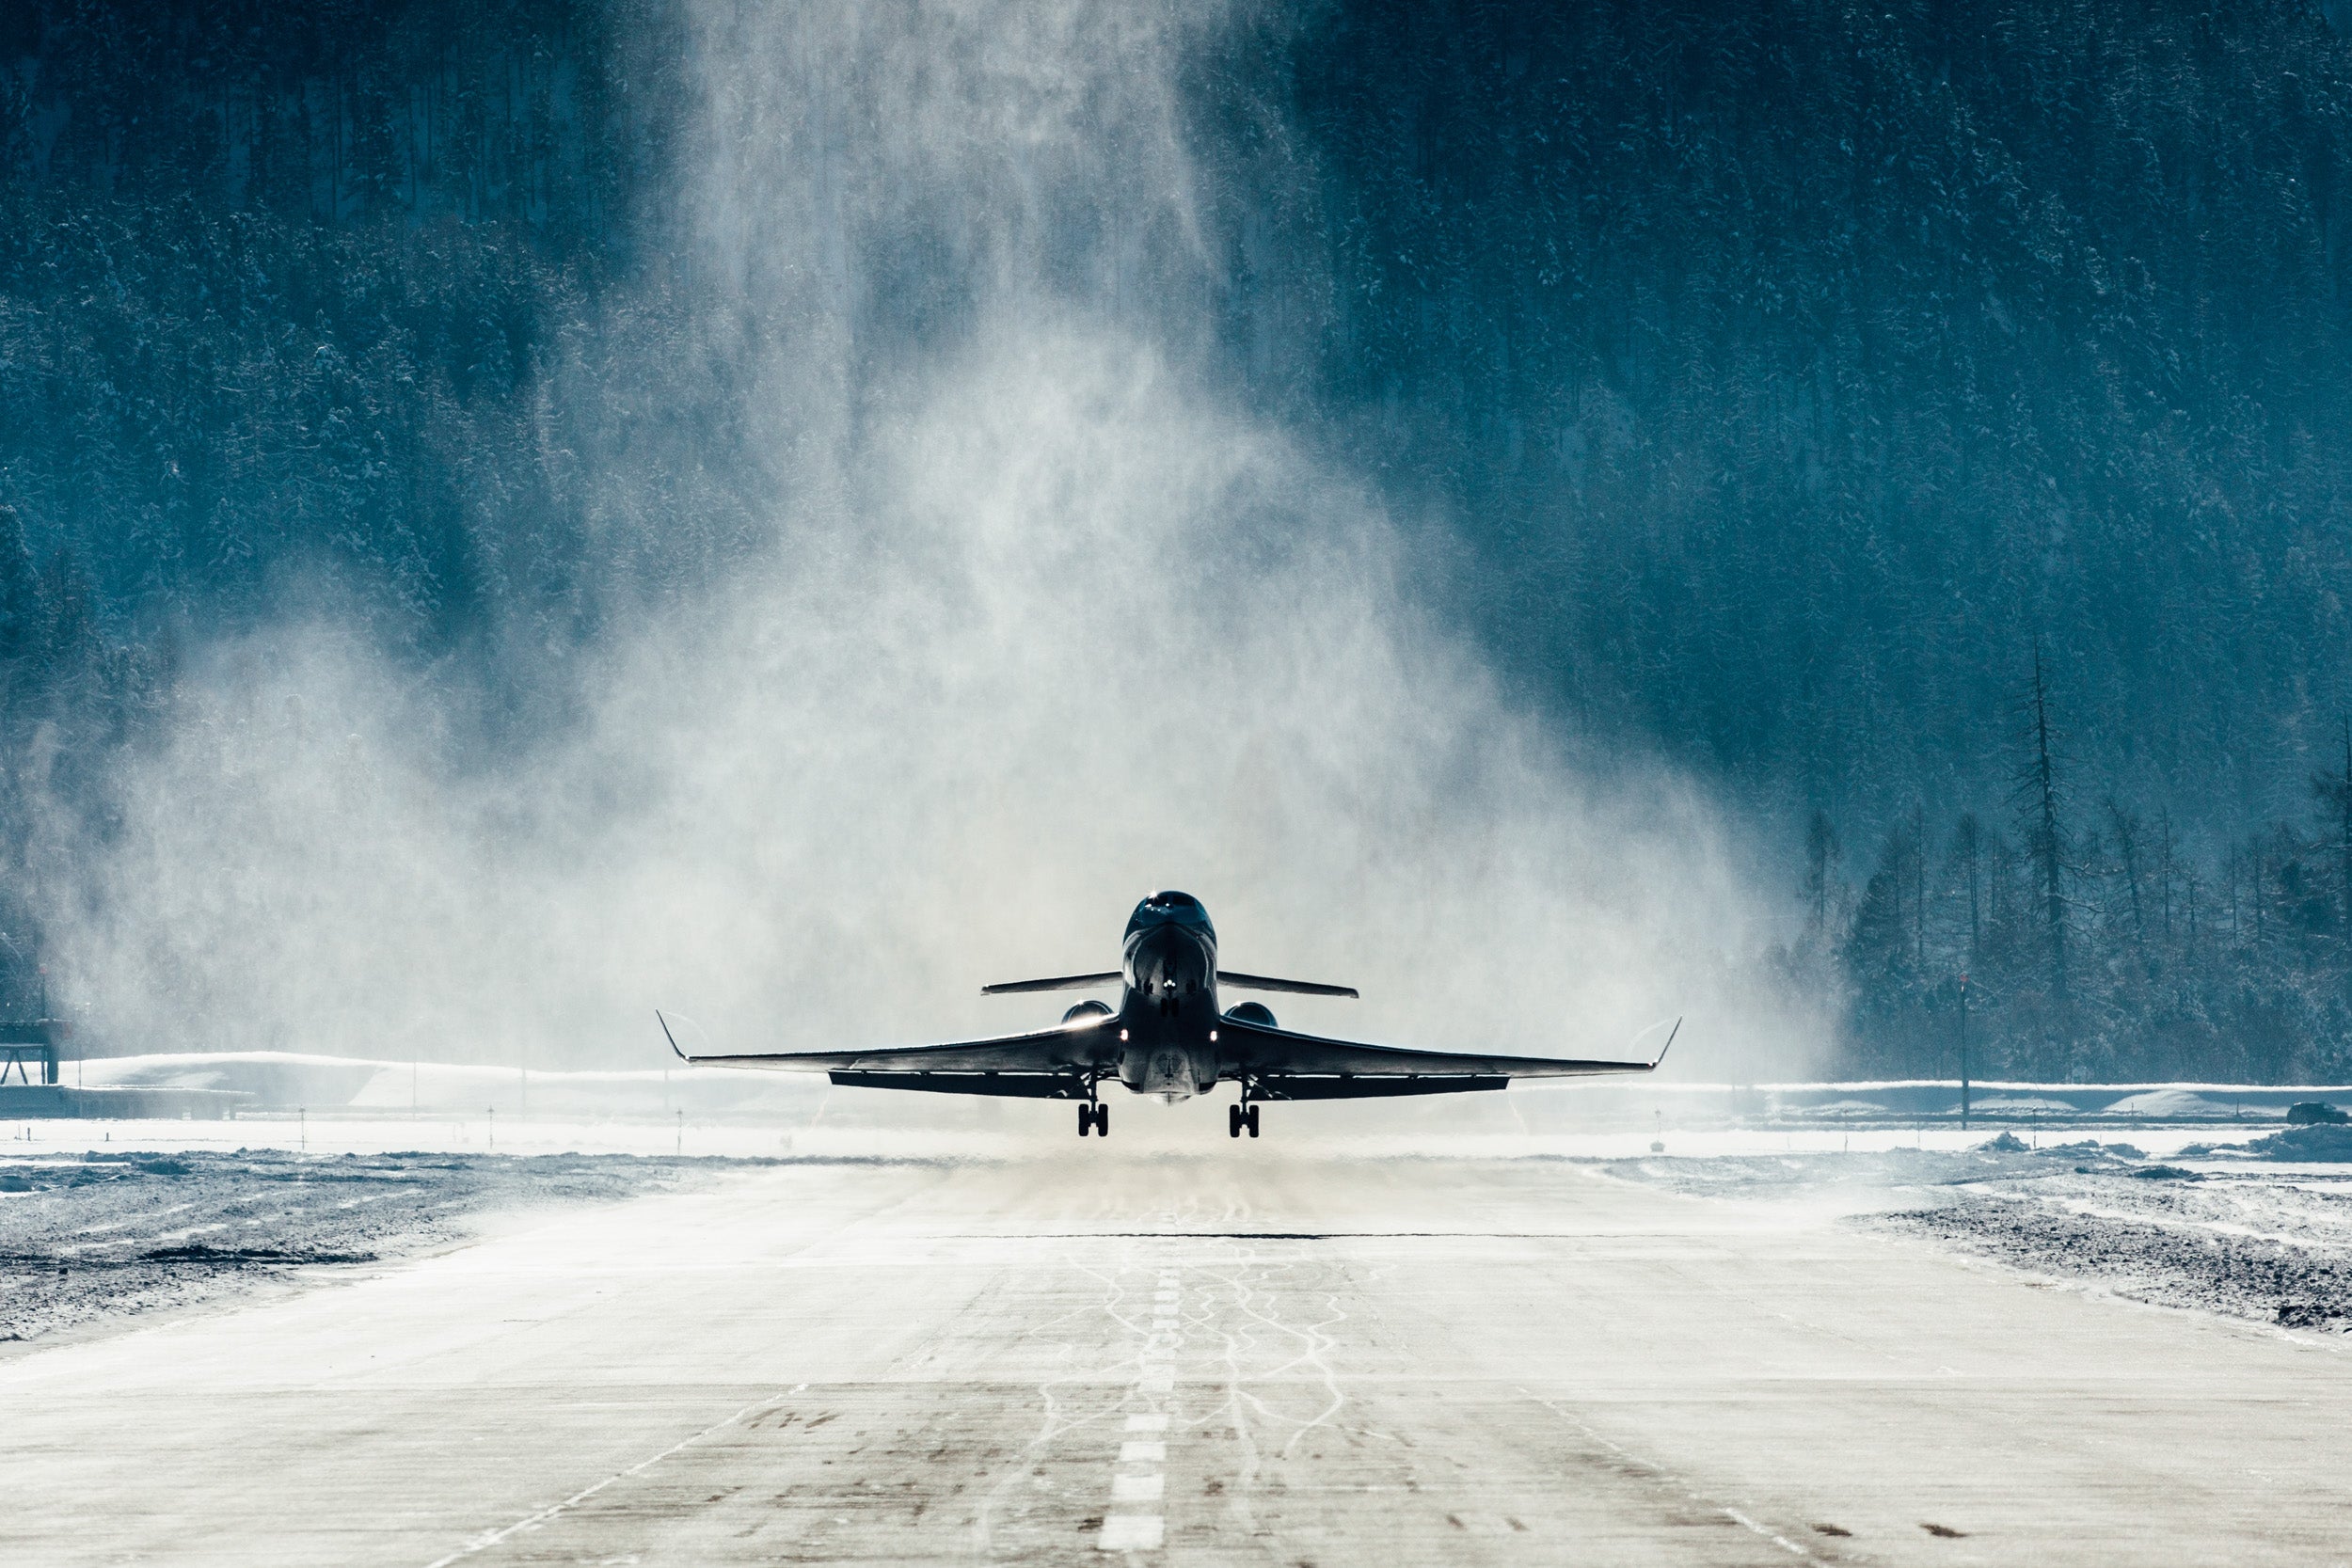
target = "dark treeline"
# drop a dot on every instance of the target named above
(2093, 941)
(1788, 373)
(1796, 388)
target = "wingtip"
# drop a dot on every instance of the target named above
(1668, 1046)
(667, 1036)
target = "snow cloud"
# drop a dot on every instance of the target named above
(1041, 622)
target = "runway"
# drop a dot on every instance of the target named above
(1233, 1359)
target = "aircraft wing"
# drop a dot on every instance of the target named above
(1058, 1055)
(1282, 1053)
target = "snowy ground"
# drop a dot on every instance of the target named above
(2245, 1222)
(2246, 1229)
(101, 1235)
(1242, 1354)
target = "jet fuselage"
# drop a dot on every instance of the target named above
(1168, 1012)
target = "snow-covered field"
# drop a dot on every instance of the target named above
(2256, 1227)
(109, 1233)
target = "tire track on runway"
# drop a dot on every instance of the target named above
(1315, 1342)
(1053, 1424)
(1659, 1474)
(1075, 1397)
(485, 1541)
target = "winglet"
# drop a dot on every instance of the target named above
(1668, 1046)
(684, 1057)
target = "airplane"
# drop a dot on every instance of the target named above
(1168, 1038)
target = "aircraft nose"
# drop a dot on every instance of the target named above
(1164, 960)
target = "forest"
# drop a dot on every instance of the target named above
(1927, 425)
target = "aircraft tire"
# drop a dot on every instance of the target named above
(1251, 1117)
(1086, 1120)
(1102, 1122)
(1232, 1121)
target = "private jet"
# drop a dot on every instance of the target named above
(1168, 1038)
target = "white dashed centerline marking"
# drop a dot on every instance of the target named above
(1132, 1532)
(1145, 1532)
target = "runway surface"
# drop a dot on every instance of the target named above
(1234, 1359)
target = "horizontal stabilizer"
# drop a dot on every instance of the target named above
(1266, 982)
(1060, 982)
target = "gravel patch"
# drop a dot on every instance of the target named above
(2169, 1263)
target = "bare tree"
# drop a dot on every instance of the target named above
(2168, 869)
(1918, 883)
(2129, 830)
(2333, 793)
(1821, 871)
(1967, 857)
(2037, 800)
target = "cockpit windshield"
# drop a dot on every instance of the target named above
(1169, 908)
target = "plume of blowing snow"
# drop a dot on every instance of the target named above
(1040, 626)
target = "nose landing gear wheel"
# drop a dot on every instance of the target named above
(1239, 1117)
(1094, 1118)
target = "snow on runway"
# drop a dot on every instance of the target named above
(1239, 1358)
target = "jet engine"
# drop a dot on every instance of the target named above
(1253, 1012)
(1080, 1012)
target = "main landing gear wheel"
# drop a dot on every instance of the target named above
(1239, 1117)
(1095, 1119)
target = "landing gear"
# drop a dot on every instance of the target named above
(1095, 1118)
(1239, 1117)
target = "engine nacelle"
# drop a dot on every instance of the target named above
(1253, 1012)
(1081, 1012)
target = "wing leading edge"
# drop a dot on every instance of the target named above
(1064, 1049)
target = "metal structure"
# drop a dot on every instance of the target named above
(28, 1041)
